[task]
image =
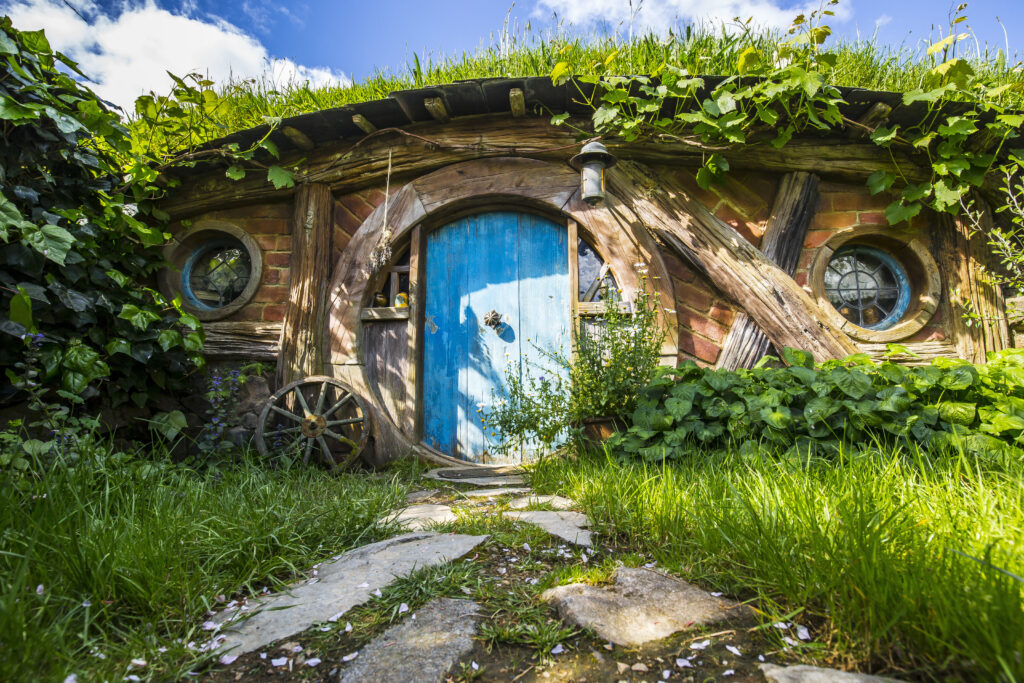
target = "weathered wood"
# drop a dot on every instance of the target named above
(769, 296)
(414, 391)
(796, 202)
(574, 269)
(922, 353)
(874, 117)
(248, 340)
(298, 138)
(435, 107)
(385, 313)
(517, 102)
(302, 341)
(989, 301)
(385, 349)
(363, 124)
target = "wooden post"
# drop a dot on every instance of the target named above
(414, 385)
(795, 204)
(779, 306)
(302, 333)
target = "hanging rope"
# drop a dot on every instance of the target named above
(381, 254)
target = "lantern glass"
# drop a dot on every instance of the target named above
(593, 182)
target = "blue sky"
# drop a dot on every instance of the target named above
(126, 45)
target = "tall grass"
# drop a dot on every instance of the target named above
(102, 564)
(700, 48)
(902, 560)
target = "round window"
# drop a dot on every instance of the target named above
(867, 286)
(216, 273)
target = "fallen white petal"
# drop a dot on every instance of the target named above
(138, 663)
(210, 626)
(280, 661)
(526, 547)
(297, 649)
(789, 641)
(403, 608)
(71, 678)
(781, 625)
(475, 666)
(377, 592)
(700, 646)
(728, 672)
(665, 674)
(39, 589)
(228, 659)
(760, 658)
(802, 633)
(683, 663)
(557, 649)
(349, 658)
(335, 617)
(718, 594)
(363, 585)
(132, 677)
(313, 662)
(501, 570)
(263, 655)
(734, 650)
(348, 627)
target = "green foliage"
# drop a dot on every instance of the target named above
(614, 355)
(789, 88)
(806, 411)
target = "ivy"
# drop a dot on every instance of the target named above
(786, 92)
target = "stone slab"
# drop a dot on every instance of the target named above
(501, 475)
(642, 605)
(417, 496)
(566, 525)
(557, 502)
(416, 517)
(418, 650)
(343, 583)
(813, 674)
(495, 492)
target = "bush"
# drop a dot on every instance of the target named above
(811, 410)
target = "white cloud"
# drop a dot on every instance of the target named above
(659, 15)
(128, 55)
(882, 21)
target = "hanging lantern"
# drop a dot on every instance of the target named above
(591, 162)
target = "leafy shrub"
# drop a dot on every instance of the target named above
(810, 409)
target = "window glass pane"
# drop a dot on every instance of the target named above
(867, 286)
(217, 273)
(592, 285)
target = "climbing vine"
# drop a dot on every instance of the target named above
(787, 92)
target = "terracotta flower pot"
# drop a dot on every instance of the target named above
(599, 429)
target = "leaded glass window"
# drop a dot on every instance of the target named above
(867, 286)
(216, 273)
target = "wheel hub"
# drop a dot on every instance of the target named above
(313, 426)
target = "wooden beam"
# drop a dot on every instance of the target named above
(417, 282)
(302, 333)
(298, 138)
(779, 306)
(435, 107)
(389, 313)
(363, 124)
(795, 205)
(248, 340)
(517, 102)
(874, 117)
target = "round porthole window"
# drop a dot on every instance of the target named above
(216, 273)
(868, 287)
(216, 269)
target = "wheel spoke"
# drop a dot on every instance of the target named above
(339, 404)
(350, 421)
(320, 398)
(328, 458)
(289, 430)
(286, 413)
(343, 439)
(302, 400)
(309, 449)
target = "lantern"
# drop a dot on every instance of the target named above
(591, 162)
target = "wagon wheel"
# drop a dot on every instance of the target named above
(319, 414)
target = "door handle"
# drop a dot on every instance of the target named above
(493, 320)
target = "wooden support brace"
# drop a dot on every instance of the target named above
(298, 138)
(779, 306)
(363, 124)
(795, 205)
(517, 102)
(435, 107)
(874, 117)
(302, 333)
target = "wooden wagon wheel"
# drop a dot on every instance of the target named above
(316, 413)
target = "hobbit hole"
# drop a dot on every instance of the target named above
(737, 268)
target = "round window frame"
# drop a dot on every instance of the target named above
(911, 252)
(194, 238)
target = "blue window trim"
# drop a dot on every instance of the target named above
(898, 271)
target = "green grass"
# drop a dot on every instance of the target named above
(701, 49)
(128, 558)
(866, 550)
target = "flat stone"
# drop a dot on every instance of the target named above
(480, 475)
(420, 516)
(495, 492)
(342, 584)
(641, 606)
(557, 502)
(566, 525)
(813, 674)
(420, 649)
(416, 496)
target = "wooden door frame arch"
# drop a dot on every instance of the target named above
(548, 188)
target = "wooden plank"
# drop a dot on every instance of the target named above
(517, 102)
(363, 124)
(385, 348)
(244, 340)
(988, 297)
(305, 317)
(874, 117)
(298, 138)
(594, 308)
(435, 107)
(796, 202)
(385, 313)
(414, 334)
(776, 303)
(574, 270)
(922, 353)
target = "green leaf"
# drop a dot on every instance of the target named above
(779, 418)
(957, 413)
(880, 181)
(235, 172)
(52, 241)
(559, 119)
(138, 317)
(853, 383)
(798, 358)
(193, 341)
(36, 41)
(118, 345)
(957, 125)
(36, 448)
(7, 46)
(897, 212)
(946, 196)
(883, 136)
(959, 377)
(168, 339)
(560, 73)
(20, 310)
(169, 425)
(280, 177)
(748, 60)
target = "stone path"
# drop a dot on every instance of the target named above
(642, 605)
(495, 492)
(566, 525)
(813, 674)
(422, 648)
(503, 475)
(342, 584)
(421, 516)
(557, 502)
